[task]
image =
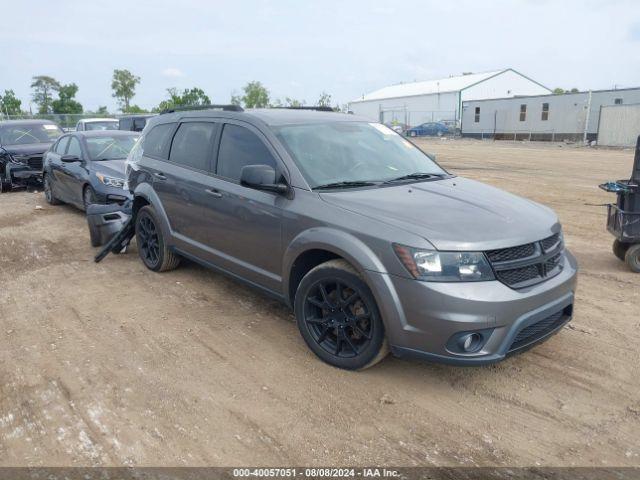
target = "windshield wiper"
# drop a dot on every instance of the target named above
(417, 176)
(345, 184)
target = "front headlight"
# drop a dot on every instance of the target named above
(110, 181)
(434, 266)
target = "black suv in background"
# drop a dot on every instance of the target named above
(134, 123)
(22, 146)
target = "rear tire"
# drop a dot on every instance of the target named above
(48, 193)
(632, 257)
(152, 246)
(338, 317)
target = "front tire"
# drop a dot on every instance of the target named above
(338, 317)
(88, 197)
(632, 257)
(152, 246)
(5, 185)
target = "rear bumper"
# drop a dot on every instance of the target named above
(425, 319)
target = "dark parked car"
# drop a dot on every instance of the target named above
(83, 168)
(134, 123)
(22, 144)
(434, 129)
(370, 241)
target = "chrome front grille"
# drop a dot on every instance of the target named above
(526, 265)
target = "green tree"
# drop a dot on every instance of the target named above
(292, 102)
(66, 102)
(255, 95)
(123, 85)
(135, 109)
(575, 90)
(235, 99)
(102, 110)
(188, 98)
(9, 104)
(324, 100)
(558, 91)
(43, 87)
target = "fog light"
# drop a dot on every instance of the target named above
(471, 342)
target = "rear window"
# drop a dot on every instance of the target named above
(158, 141)
(192, 144)
(106, 125)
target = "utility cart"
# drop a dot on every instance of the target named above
(623, 217)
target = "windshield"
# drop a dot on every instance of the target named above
(353, 152)
(106, 125)
(26, 134)
(110, 148)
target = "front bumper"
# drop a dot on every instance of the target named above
(18, 173)
(422, 317)
(112, 195)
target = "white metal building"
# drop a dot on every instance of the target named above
(441, 100)
(568, 116)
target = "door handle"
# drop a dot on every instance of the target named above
(214, 193)
(159, 176)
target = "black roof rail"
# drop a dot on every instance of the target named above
(319, 108)
(226, 108)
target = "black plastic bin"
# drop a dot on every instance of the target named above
(623, 217)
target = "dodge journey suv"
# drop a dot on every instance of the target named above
(373, 244)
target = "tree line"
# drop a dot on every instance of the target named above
(45, 89)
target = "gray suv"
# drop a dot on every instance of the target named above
(374, 245)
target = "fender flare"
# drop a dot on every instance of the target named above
(341, 243)
(146, 191)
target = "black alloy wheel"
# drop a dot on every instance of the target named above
(148, 241)
(152, 247)
(338, 317)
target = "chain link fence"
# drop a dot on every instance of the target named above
(66, 121)
(402, 119)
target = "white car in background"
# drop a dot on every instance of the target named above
(97, 124)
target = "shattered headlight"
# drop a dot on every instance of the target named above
(110, 181)
(434, 266)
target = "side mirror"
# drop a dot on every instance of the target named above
(69, 159)
(261, 177)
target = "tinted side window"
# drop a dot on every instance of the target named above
(239, 147)
(74, 148)
(158, 141)
(62, 145)
(191, 145)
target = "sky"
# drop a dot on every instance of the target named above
(299, 49)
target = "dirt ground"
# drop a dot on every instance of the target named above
(111, 364)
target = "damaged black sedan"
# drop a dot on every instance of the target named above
(22, 146)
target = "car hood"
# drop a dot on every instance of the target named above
(453, 214)
(112, 168)
(29, 149)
